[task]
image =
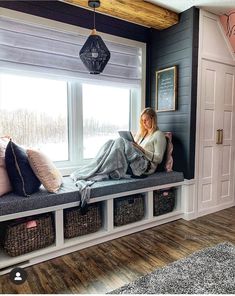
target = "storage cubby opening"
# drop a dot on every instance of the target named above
(79, 222)
(24, 235)
(164, 201)
(129, 209)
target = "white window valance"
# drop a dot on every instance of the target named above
(30, 46)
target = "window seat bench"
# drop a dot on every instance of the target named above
(13, 206)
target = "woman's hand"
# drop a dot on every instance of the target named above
(138, 147)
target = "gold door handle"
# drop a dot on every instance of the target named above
(219, 136)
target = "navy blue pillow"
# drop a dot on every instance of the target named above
(22, 177)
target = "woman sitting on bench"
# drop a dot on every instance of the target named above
(119, 157)
(150, 140)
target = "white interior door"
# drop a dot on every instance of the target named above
(216, 160)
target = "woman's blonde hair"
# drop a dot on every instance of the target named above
(153, 115)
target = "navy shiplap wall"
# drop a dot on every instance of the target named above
(174, 46)
(178, 45)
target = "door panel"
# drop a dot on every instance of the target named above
(210, 83)
(229, 89)
(209, 123)
(227, 126)
(207, 165)
(226, 161)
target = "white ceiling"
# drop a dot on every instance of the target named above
(215, 6)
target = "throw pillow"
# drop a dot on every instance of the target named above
(169, 150)
(45, 170)
(22, 177)
(167, 162)
(5, 185)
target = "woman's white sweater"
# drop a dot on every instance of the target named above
(154, 145)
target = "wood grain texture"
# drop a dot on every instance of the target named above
(102, 268)
(139, 12)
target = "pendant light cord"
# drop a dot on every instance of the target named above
(94, 17)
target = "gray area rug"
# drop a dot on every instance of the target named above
(211, 270)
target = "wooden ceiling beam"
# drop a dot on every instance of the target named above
(138, 11)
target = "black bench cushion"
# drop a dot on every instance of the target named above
(68, 193)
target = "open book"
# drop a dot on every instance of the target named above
(126, 135)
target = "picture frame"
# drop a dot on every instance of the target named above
(166, 80)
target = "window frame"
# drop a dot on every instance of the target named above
(75, 117)
(137, 101)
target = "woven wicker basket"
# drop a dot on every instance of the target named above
(77, 224)
(29, 234)
(128, 209)
(164, 201)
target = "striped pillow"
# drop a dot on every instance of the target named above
(22, 177)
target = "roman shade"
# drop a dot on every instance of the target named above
(37, 47)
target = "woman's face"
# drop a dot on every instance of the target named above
(147, 121)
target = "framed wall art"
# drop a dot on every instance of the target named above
(166, 80)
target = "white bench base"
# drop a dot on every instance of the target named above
(184, 209)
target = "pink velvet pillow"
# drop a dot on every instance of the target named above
(45, 170)
(5, 185)
(169, 150)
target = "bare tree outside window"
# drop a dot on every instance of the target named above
(33, 111)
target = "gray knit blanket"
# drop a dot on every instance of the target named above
(111, 162)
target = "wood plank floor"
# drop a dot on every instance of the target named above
(110, 265)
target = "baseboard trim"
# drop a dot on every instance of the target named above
(215, 209)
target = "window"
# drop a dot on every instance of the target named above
(33, 111)
(105, 111)
(66, 119)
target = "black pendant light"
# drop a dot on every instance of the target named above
(94, 53)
